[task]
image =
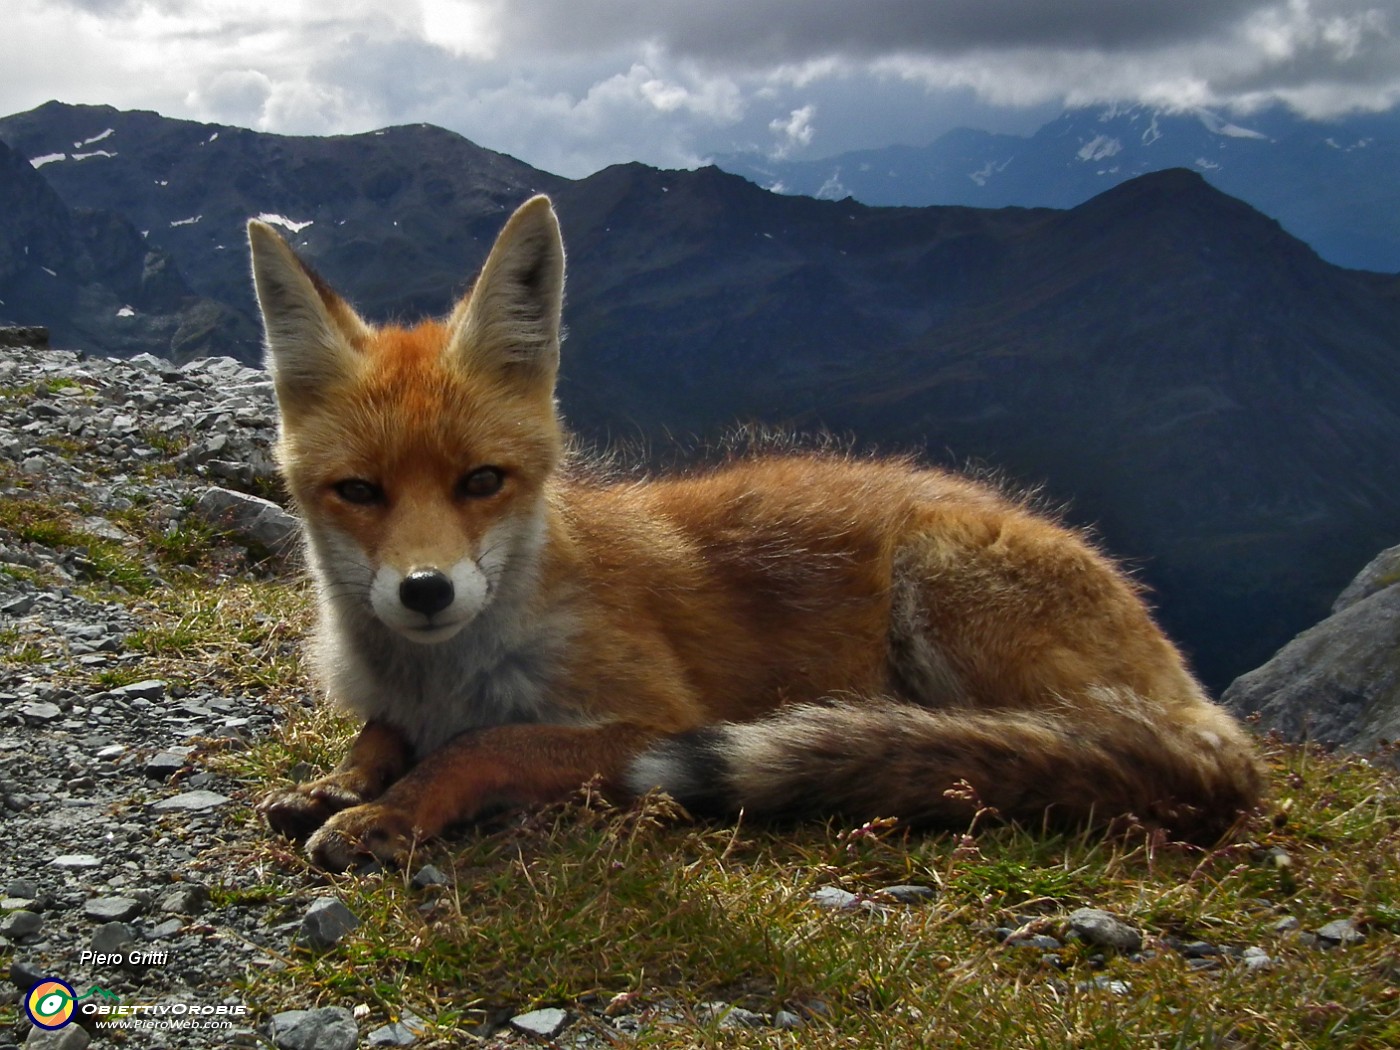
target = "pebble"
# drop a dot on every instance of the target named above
(909, 894)
(406, 1031)
(1103, 930)
(1340, 933)
(112, 909)
(76, 860)
(326, 922)
(73, 1037)
(19, 924)
(429, 875)
(112, 937)
(1257, 960)
(329, 1028)
(835, 898)
(191, 801)
(186, 899)
(545, 1024)
(728, 1016)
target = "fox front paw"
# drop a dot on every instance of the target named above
(297, 812)
(369, 832)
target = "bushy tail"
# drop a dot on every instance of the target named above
(881, 758)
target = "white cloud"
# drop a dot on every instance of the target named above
(575, 84)
(794, 132)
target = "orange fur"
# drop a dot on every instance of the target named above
(788, 633)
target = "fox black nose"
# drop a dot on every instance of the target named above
(426, 591)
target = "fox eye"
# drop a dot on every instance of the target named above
(359, 491)
(482, 482)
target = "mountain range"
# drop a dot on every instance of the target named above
(1332, 184)
(1219, 402)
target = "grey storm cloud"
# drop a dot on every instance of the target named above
(775, 31)
(575, 84)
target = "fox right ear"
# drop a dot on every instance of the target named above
(313, 335)
(509, 323)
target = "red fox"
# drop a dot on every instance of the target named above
(786, 634)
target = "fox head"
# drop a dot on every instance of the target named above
(419, 456)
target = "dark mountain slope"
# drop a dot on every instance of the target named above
(90, 277)
(1222, 403)
(400, 216)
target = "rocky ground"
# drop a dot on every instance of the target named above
(127, 865)
(115, 832)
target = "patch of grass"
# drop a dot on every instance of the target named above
(27, 391)
(245, 633)
(16, 649)
(34, 520)
(169, 444)
(582, 902)
(116, 677)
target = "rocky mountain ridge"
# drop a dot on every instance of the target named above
(1184, 375)
(1329, 182)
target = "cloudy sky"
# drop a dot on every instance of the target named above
(573, 85)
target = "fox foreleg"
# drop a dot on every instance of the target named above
(379, 756)
(511, 765)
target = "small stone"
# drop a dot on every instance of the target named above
(1103, 930)
(71, 1037)
(112, 909)
(835, 898)
(729, 1016)
(406, 1031)
(428, 875)
(18, 606)
(151, 689)
(76, 861)
(1199, 950)
(326, 922)
(19, 924)
(1042, 942)
(1340, 933)
(188, 898)
(40, 713)
(787, 1019)
(191, 802)
(24, 974)
(112, 937)
(329, 1028)
(545, 1024)
(168, 928)
(27, 888)
(166, 764)
(1287, 924)
(1112, 985)
(906, 894)
(1257, 960)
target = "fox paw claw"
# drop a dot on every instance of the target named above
(362, 833)
(299, 811)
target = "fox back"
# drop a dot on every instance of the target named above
(782, 633)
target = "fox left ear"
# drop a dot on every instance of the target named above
(313, 335)
(510, 321)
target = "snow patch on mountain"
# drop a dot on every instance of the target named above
(1218, 125)
(1100, 147)
(272, 219)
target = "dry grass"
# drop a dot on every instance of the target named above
(583, 903)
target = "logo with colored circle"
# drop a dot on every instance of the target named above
(50, 1003)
